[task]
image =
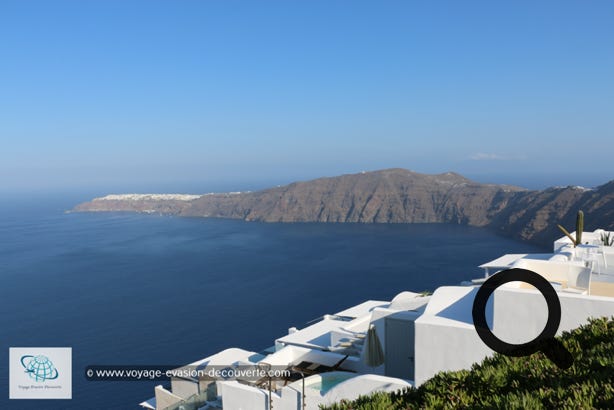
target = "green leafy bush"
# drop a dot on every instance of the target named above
(502, 382)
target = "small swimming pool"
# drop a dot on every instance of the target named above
(327, 381)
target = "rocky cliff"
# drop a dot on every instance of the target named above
(391, 196)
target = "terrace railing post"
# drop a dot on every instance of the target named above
(270, 393)
(303, 399)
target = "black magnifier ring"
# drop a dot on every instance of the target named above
(514, 275)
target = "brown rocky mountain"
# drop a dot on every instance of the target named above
(392, 196)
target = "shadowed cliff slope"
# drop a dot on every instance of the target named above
(392, 196)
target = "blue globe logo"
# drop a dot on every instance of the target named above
(39, 368)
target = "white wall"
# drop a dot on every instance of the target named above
(445, 336)
(291, 398)
(236, 396)
(442, 346)
(554, 271)
(443, 343)
(519, 315)
(575, 311)
(378, 319)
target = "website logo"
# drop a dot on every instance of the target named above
(40, 373)
(39, 368)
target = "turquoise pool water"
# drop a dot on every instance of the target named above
(327, 382)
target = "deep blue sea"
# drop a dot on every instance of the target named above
(149, 289)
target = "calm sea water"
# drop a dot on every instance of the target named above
(147, 289)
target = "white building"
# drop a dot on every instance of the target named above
(419, 335)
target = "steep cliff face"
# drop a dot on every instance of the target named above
(533, 215)
(392, 196)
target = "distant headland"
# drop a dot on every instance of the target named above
(390, 196)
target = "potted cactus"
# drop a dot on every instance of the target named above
(579, 229)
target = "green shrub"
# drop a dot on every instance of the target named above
(502, 382)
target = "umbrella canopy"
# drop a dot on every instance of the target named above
(372, 353)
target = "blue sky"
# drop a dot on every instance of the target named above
(141, 95)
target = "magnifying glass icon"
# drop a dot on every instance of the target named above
(545, 341)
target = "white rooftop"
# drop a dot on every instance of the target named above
(507, 260)
(451, 305)
(226, 357)
(293, 355)
(316, 336)
(362, 309)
